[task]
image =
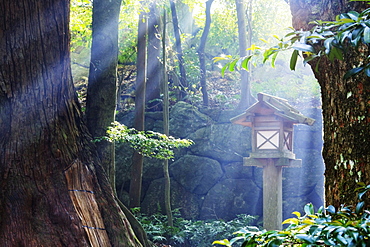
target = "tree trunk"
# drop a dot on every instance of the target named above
(137, 160)
(102, 87)
(245, 87)
(345, 105)
(53, 191)
(166, 126)
(201, 53)
(183, 81)
(153, 87)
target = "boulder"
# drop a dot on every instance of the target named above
(231, 197)
(196, 174)
(181, 199)
(222, 142)
(186, 119)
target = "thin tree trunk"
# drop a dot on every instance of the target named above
(137, 160)
(153, 63)
(166, 129)
(201, 53)
(245, 87)
(183, 80)
(102, 86)
(44, 142)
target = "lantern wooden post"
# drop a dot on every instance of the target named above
(271, 120)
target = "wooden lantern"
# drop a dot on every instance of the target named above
(272, 120)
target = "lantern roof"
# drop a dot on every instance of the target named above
(271, 105)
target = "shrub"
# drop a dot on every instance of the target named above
(347, 226)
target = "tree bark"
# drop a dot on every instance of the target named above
(201, 53)
(183, 80)
(345, 105)
(102, 86)
(137, 160)
(166, 126)
(43, 141)
(153, 63)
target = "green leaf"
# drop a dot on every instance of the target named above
(367, 35)
(222, 242)
(353, 15)
(223, 69)
(331, 209)
(305, 238)
(359, 207)
(232, 65)
(273, 59)
(303, 47)
(246, 62)
(367, 71)
(328, 45)
(293, 60)
(308, 209)
(352, 72)
(335, 53)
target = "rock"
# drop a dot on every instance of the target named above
(196, 174)
(186, 119)
(222, 142)
(231, 197)
(181, 198)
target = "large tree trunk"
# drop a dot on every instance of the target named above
(53, 192)
(345, 106)
(102, 87)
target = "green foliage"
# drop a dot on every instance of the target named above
(148, 143)
(80, 24)
(326, 38)
(347, 226)
(189, 233)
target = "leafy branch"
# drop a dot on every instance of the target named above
(148, 143)
(326, 38)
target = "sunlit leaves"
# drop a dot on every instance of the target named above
(326, 38)
(148, 143)
(347, 226)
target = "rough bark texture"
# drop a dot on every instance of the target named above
(42, 135)
(102, 86)
(346, 107)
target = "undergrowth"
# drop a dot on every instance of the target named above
(189, 233)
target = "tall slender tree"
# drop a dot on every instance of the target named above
(137, 160)
(202, 55)
(50, 172)
(244, 42)
(166, 124)
(153, 56)
(176, 29)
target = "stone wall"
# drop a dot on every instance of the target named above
(208, 179)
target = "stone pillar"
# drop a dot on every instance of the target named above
(272, 196)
